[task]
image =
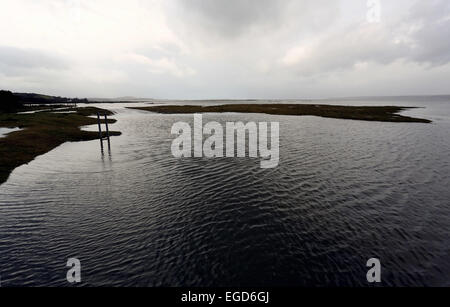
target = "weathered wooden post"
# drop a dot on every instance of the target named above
(107, 131)
(100, 131)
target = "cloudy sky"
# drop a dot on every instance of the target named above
(200, 49)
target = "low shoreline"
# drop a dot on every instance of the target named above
(365, 113)
(41, 132)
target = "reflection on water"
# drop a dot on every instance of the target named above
(5, 131)
(345, 191)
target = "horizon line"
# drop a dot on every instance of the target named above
(235, 99)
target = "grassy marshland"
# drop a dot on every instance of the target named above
(42, 132)
(382, 114)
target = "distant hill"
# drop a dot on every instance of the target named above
(12, 102)
(9, 103)
(121, 99)
(32, 98)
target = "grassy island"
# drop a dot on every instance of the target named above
(382, 114)
(42, 132)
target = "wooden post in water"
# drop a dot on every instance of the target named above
(107, 131)
(100, 131)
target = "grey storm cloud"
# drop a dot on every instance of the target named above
(431, 41)
(224, 48)
(418, 37)
(231, 18)
(234, 18)
(13, 59)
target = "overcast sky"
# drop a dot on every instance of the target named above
(200, 49)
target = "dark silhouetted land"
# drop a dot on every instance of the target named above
(9, 102)
(32, 98)
(42, 132)
(381, 114)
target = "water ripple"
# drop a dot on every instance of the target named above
(345, 191)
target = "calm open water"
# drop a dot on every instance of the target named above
(345, 191)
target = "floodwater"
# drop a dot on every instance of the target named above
(5, 131)
(344, 192)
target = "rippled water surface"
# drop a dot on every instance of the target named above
(345, 191)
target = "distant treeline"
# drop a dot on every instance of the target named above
(12, 102)
(9, 102)
(45, 99)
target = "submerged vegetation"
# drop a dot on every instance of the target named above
(382, 114)
(42, 132)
